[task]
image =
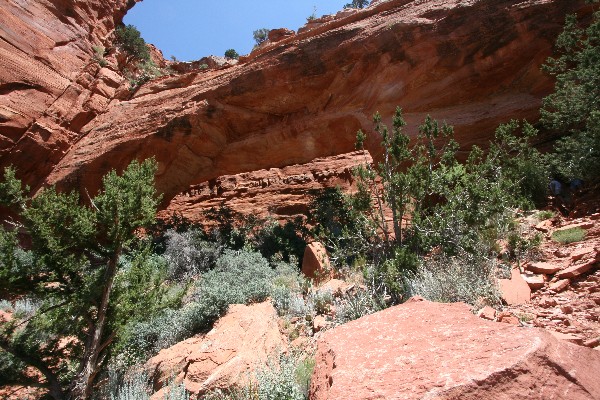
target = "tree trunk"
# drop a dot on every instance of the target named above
(89, 364)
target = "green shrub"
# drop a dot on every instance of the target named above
(231, 53)
(260, 35)
(343, 230)
(320, 302)
(573, 108)
(188, 254)
(356, 305)
(357, 4)
(286, 292)
(544, 215)
(466, 277)
(312, 16)
(566, 236)
(98, 56)
(176, 391)
(239, 277)
(129, 39)
(280, 242)
(144, 71)
(76, 247)
(285, 379)
(136, 386)
(389, 274)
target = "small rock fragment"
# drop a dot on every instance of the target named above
(559, 286)
(320, 323)
(515, 290)
(544, 226)
(487, 312)
(547, 302)
(535, 281)
(567, 309)
(578, 254)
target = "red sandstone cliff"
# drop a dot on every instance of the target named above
(66, 121)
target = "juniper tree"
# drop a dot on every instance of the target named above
(573, 110)
(69, 270)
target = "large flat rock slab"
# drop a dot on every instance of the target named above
(423, 350)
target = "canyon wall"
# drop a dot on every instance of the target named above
(65, 120)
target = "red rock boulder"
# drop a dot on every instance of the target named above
(515, 290)
(315, 263)
(275, 35)
(244, 339)
(423, 350)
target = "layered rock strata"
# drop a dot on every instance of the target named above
(66, 121)
(279, 193)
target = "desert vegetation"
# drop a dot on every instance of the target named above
(260, 36)
(138, 66)
(92, 286)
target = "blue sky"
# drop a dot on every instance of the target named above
(192, 29)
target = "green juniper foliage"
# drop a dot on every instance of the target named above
(574, 107)
(231, 53)
(357, 4)
(129, 39)
(73, 270)
(437, 202)
(260, 35)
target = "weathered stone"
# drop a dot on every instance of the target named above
(275, 35)
(576, 270)
(508, 318)
(544, 226)
(581, 225)
(290, 102)
(568, 337)
(535, 281)
(567, 309)
(543, 267)
(315, 263)
(582, 252)
(487, 312)
(244, 339)
(442, 351)
(280, 193)
(515, 290)
(320, 323)
(5, 316)
(559, 286)
(592, 342)
(562, 253)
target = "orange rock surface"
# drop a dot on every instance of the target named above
(241, 341)
(423, 350)
(66, 121)
(280, 193)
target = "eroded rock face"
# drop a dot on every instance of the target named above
(429, 350)
(241, 341)
(472, 63)
(279, 193)
(49, 85)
